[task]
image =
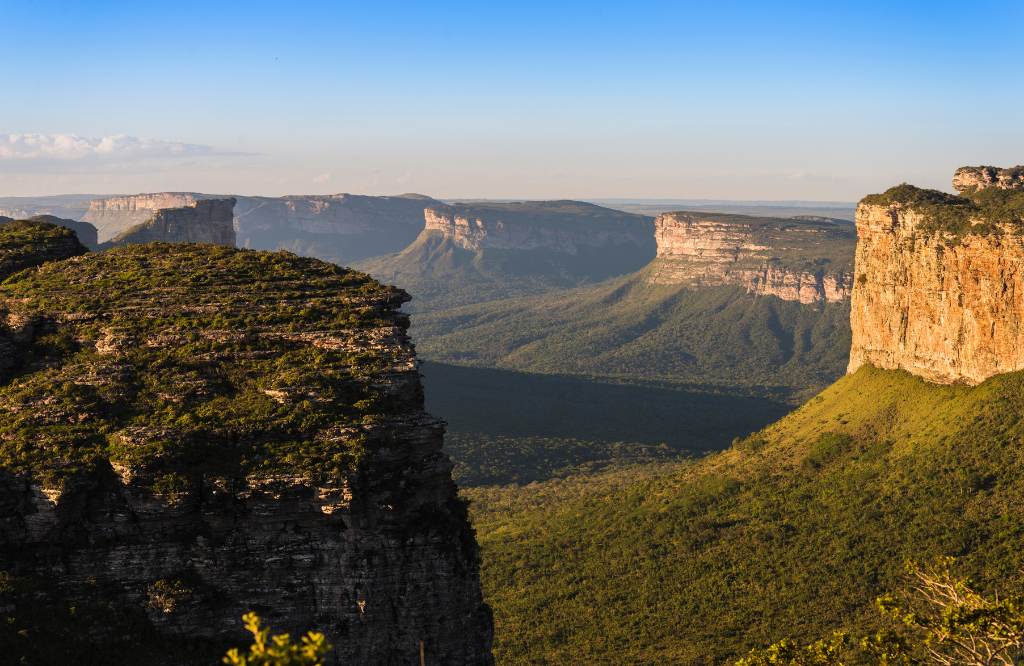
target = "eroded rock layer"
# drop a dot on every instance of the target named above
(195, 431)
(798, 260)
(203, 221)
(562, 226)
(114, 215)
(946, 310)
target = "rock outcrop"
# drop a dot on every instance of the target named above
(987, 176)
(799, 260)
(202, 221)
(28, 243)
(936, 296)
(201, 431)
(562, 226)
(86, 232)
(114, 215)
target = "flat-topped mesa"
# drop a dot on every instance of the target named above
(561, 226)
(113, 215)
(202, 221)
(798, 260)
(198, 431)
(940, 279)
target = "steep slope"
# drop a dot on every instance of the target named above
(86, 233)
(471, 253)
(202, 221)
(940, 278)
(340, 228)
(720, 336)
(113, 215)
(792, 532)
(804, 260)
(193, 431)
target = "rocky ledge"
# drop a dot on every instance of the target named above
(940, 279)
(189, 432)
(798, 260)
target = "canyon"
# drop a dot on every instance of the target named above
(942, 305)
(197, 431)
(805, 260)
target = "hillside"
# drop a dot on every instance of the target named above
(715, 337)
(791, 532)
(190, 431)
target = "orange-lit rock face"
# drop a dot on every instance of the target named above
(948, 313)
(793, 260)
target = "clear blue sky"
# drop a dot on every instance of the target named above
(733, 100)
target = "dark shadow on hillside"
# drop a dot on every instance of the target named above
(507, 426)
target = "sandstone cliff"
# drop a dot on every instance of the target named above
(940, 279)
(562, 226)
(198, 431)
(113, 215)
(798, 260)
(203, 221)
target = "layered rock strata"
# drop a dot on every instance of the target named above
(799, 260)
(946, 307)
(203, 221)
(202, 431)
(114, 215)
(562, 226)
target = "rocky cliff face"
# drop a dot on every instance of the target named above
(114, 215)
(203, 221)
(562, 226)
(798, 260)
(198, 431)
(937, 296)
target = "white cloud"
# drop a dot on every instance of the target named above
(323, 178)
(72, 147)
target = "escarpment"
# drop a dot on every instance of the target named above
(203, 221)
(940, 279)
(562, 226)
(28, 243)
(87, 234)
(798, 260)
(189, 432)
(113, 215)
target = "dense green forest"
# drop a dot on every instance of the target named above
(793, 531)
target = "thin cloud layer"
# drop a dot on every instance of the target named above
(72, 147)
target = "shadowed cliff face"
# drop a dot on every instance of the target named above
(114, 215)
(195, 431)
(203, 221)
(797, 260)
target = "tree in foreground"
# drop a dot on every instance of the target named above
(944, 621)
(279, 650)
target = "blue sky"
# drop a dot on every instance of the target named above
(723, 100)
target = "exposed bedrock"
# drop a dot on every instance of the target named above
(798, 260)
(114, 215)
(202, 221)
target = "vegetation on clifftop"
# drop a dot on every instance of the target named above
(974, 211)
(175, 361)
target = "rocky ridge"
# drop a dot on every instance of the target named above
(562, 226)
(194, 431)
(936, 295)
(798, 260)
(202, 221)
(29, 243)
(86, 232)
(114, 215)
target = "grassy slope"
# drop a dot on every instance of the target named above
(439, 274)
(516, 427)
(719, 336)
(790, 533)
